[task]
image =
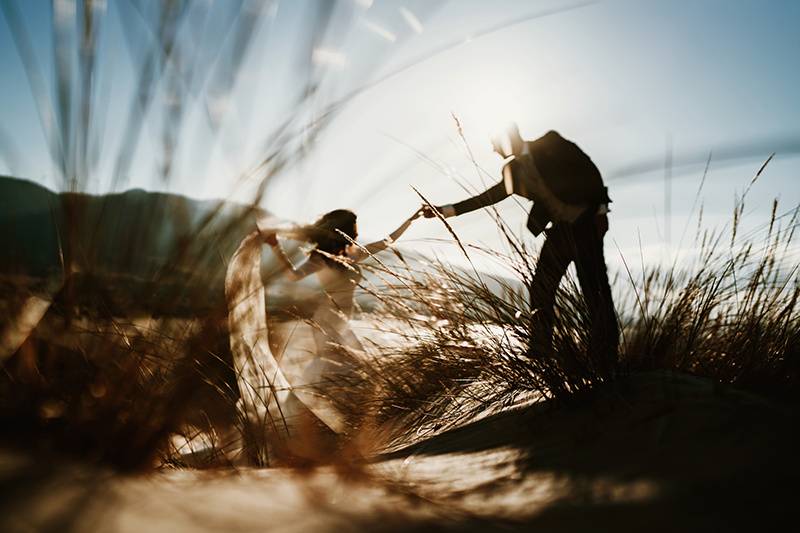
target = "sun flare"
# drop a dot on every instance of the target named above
(492, 100)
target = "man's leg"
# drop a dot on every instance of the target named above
(592, 274)
(554, 258)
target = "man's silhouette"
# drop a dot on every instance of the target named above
(568, 192)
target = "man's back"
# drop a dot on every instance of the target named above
(567, 171)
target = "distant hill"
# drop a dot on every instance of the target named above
(140, 252)
(141, 240)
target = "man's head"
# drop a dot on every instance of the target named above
(509, 142)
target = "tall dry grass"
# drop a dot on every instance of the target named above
(731, 315)
(117, 398)
(119, 395)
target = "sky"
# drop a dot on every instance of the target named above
(637, 84)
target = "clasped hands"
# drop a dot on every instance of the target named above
(430, 211)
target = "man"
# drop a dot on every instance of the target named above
(568, 193)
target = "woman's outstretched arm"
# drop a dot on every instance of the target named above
(309, 266)
(377, 246)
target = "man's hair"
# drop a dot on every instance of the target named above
(504, 144)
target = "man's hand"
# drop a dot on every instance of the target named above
(445, 211)
(428, 211)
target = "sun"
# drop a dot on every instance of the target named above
(492, 99)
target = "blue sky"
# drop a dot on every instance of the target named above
(627, 80)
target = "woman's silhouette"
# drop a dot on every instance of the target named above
(334, 258)
(270, 404)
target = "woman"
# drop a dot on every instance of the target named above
(334, 258)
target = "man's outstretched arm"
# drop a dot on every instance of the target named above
(489, 197)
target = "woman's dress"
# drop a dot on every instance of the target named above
(337, 347)
(270, 405)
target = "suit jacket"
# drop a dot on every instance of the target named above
(567, 172)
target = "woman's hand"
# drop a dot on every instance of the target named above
(428, 211)
(446, 211)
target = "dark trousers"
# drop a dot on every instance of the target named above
(582, 242)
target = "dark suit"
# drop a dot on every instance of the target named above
(572, 178)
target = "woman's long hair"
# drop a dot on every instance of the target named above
(331, 234)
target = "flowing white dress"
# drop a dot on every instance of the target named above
(333, 338)
(269, 402)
